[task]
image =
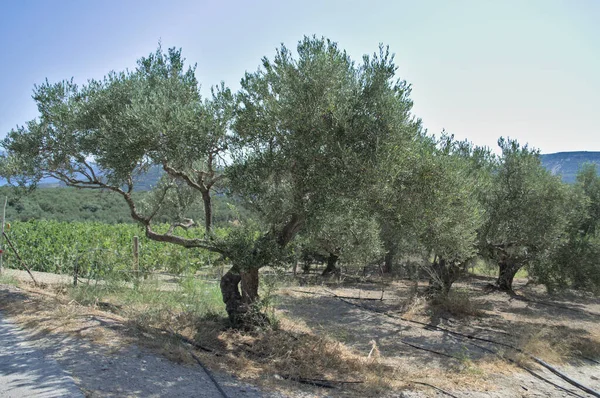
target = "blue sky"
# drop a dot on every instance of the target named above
(528, 69)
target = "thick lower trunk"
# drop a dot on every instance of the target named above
(207, 211)
(237, 303)
(388, 262)
(306, 267)
(443, 276)
(506, 275)
(232, 296)
(249, 286)
(331, 262)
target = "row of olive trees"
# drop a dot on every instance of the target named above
(315, 144)
(454, 202)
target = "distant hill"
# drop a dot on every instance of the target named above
(566, 164)
(143, 182)
(70, 204)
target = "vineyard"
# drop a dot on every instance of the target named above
(98, 249)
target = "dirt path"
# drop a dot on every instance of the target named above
(25, 370)
(116, 370)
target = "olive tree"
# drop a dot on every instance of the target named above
(427, 196)
(524, 211)
(350, 237)
(309, 131)
(302, 133)
(103, 134)
(575, 260)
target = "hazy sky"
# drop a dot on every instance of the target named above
(480, 69)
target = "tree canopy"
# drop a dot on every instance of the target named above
(313, 143)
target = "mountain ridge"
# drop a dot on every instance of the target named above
(567, 164)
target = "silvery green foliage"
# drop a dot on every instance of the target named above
(104, 133)
(310, 128)
(123, 123)
(427, 201)
(575, 260)
(352, 235)
(308, 136)
(524, 207)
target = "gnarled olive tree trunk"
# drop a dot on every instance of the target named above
(388, 262)
(331, 265)
(391, 250)
(443, 275)
(240, 291)
(506, 274)
(239, 287)
(231, 294)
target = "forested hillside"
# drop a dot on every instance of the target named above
(144, 181)
(70, 204)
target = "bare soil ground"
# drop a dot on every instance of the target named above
(400, 346)
(563, 331)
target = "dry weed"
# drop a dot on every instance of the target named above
(292, 351)
(557, 344)
(416, 305)
(456, 303)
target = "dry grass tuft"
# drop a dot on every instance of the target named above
(47, 313)
(557, 343)
(415, 306)
(544, 345)
(456, 303)
(292, 351)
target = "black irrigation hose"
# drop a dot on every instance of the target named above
(210, 375)
(428, 350)
(531, 372)
(312, 382)
(324, 383)
(590, 359)
(565, 377)
(564, 307)
(471, 337)
(512, 335)
(501, 357)
(201, 347)
(435, 388)
(194, 344)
